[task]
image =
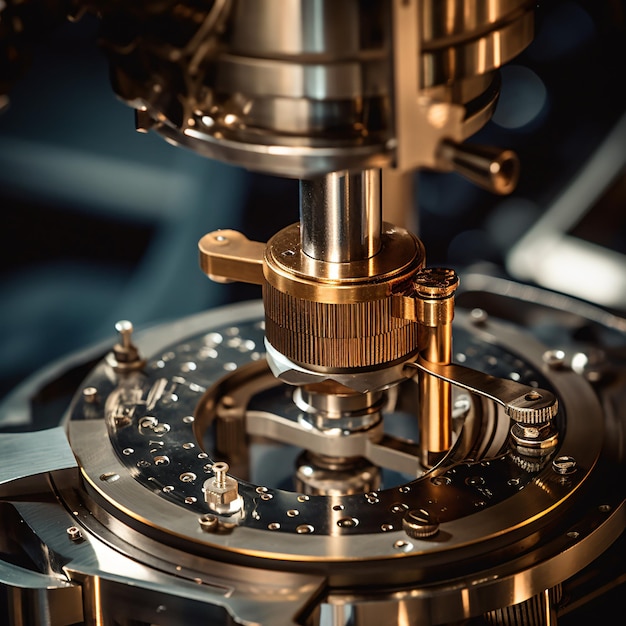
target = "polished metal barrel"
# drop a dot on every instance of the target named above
(307, 87)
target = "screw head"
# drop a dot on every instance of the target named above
(436, 282)
(418, 523)
(478, 316)
(125, 355)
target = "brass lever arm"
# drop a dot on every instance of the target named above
(228, 256)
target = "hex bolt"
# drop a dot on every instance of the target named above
(419, 524)
(534, 439)
(221, 492)
(74, 534)
(531, 432)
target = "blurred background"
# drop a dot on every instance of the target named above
(100, 223)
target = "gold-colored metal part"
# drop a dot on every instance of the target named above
(416, 116)
(445, 55)
(434, 309)
(491, 168)
(335, 316)
(450, 52)
(227, 256)
(326, 336)
(291, 271)
(325, 316)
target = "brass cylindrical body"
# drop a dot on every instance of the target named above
(336, 316)
(434, 292)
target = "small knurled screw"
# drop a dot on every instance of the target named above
(418, 523)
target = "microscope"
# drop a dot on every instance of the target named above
(354, 449)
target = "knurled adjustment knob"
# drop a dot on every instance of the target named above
(533, 407)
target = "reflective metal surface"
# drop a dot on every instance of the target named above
(302, 87)
(357, 449)
(490, 512)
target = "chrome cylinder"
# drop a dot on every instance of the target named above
(341, 216)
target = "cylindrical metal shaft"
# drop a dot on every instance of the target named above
(341, 216)
(434, 288)
(435, 396)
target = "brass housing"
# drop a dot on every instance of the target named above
(335, 316)
(325, 316)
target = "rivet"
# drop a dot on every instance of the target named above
(478, 316)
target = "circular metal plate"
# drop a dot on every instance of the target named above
(145, 459)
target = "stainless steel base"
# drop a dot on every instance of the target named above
(105, 517)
